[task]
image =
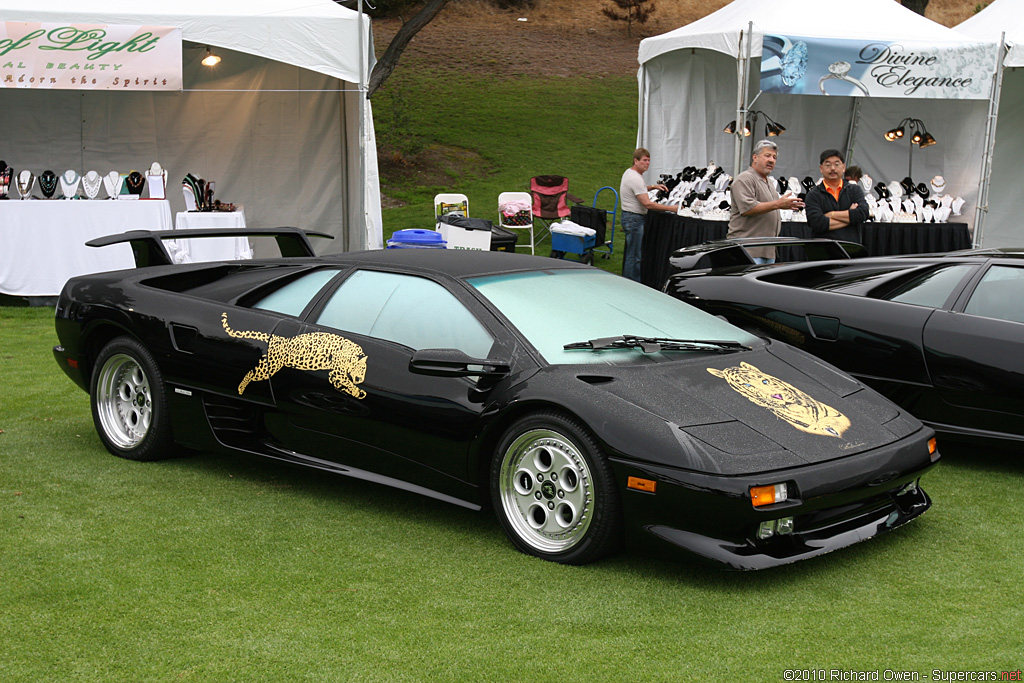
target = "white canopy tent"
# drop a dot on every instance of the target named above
(282, 124)
(697, 78)
(1002, 227)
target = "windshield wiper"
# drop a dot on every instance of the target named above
(655, 344)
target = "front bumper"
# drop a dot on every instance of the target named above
(807, 540)
(831, 505)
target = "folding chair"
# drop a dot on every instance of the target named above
(444, 204)
(519, 216)
(550, 193)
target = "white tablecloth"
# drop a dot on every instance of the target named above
(42, 241)
(211, 248)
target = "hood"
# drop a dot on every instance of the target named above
(771, 408)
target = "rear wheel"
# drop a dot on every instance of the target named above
(553, 492)
(129, 403)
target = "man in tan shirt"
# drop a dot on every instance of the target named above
(756, 202)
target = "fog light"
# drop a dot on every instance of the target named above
(909, 488)
(767, 495)
(784, 526)
(766, 530)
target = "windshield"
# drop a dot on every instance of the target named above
(555, 308)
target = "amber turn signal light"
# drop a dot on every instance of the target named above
(639, 484)
(767, 495)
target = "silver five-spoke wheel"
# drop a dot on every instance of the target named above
(546, 490)
(553, 490)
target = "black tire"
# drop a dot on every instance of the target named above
(553, 490)
(129, 402)
(557, 254)
(588, 258)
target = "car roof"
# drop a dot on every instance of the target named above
(460, 263)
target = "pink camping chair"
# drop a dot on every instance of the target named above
(550, 193)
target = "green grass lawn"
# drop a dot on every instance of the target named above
(219, 568)
(501, 133)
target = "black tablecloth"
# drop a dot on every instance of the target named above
(664, 233)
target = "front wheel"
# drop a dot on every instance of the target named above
(129, 404)
(553, 491)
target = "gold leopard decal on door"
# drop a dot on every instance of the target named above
(785, 400)
(314, 351)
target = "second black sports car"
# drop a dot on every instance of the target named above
(942, 335)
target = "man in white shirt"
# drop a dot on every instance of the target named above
(635, 205)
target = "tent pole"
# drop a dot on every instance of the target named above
(851, 137)
(641, 132)
(990, 140)
(741, 97)
(361, 231)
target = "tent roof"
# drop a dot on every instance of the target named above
(1000, 16)
(873, 19)
(318, 35)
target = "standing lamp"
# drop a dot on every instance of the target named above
(771, 128)
(914, 130)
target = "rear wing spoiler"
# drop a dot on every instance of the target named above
(149, 250)
(733, 252)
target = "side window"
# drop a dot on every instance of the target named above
(409, 310)
(292, 298)
(1000, 294)
(932, 288)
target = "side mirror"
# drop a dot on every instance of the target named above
(455, 363)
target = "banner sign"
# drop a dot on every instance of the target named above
(801, 65)
(89, 56)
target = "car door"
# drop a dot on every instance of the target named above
(975, 353)
(367, 410)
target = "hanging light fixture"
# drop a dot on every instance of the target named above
(210, 59)
(730, 128)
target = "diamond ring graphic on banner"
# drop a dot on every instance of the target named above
(839, 70)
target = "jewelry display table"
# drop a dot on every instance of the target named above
(664, 233)
(42, 241)
(213, 248)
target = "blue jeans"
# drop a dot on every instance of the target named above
(762, 260)
(633, 224)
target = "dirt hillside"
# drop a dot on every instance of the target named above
(561, 37)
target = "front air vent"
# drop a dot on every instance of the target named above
(595, 379)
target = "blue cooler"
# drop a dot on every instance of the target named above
(416, 239)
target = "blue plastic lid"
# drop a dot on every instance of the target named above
(418, 237)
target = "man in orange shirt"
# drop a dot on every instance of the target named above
(836, 208)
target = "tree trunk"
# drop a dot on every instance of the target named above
(916, 5)
(389, 60)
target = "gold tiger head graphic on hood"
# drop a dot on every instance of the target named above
(786, 401)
